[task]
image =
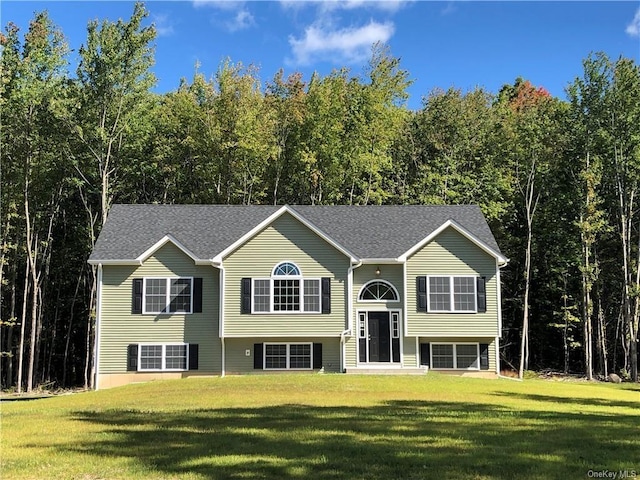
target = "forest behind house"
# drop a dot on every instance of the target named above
(557, 179)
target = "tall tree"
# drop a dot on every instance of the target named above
(114, 78)
(587, 100)
(528, 121)
(245, 128)
(32, 81)
(287, 99)
(624, 130)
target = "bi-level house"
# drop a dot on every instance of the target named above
(218, 289)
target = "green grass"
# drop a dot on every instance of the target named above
(326, 427)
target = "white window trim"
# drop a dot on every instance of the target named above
(164, 357)
(370, 282)
(168, 296)
(362, 325)
(301, 298)
(288, 344)
(395, 325)
(273, 271)
(455, 356)
(364, 311)
(452, 295)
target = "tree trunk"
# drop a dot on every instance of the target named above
(602, 341)
(69, 329)
(531, 203)
(565, 330)
(587, 309)
(8, 370)
(34, 326)
(89, 377)
(23, 323)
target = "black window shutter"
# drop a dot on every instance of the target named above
(317, 355)
(132, 357)
(484, 356)
(422, 293)
(245, 306)
(326, 295)
(197, 295)
(257, 356)
(136, 300)
(425, 354)
(193, 356)
(482, 294)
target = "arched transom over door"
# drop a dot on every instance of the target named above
(378, 291)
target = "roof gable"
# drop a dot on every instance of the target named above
(465, 233)
(160, 243)
(268, 221)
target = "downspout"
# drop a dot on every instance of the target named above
(348, 331)
(499, 301)
(223, 355)
(343, 350)
(221, 315)
(98, 317)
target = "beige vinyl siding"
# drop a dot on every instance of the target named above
(351, 350)
(237, 360)
(286, 239)
(409, 355)
(119, 327)
(366, 273)
(450, 253)
(490, 341)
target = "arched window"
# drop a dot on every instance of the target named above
(287, 291)
(286, 269)
(378, 291)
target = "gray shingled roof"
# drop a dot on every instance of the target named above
(369, 231)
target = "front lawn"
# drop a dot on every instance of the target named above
(327, 427)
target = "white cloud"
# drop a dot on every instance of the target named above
(241, 21)
(164, 28)
(450, 8)
(229, 5)
(385, 5)
(345, 45)
(331, 5)
(238, 16)
(633, 28)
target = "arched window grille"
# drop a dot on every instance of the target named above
(378, 291)
(286, 269)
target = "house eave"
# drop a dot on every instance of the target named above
(114, 262)
(382, 261)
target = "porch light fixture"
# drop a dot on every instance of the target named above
(378, 272)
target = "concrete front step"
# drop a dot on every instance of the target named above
(386, 371)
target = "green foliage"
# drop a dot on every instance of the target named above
(79, 143)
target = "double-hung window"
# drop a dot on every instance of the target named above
(451, 294)
(286, 291)
(287, 356)
(168, 295)
(163, 357)
(460, 356)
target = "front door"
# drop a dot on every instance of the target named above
(379, 337)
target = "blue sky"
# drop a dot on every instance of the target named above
(460, 44)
